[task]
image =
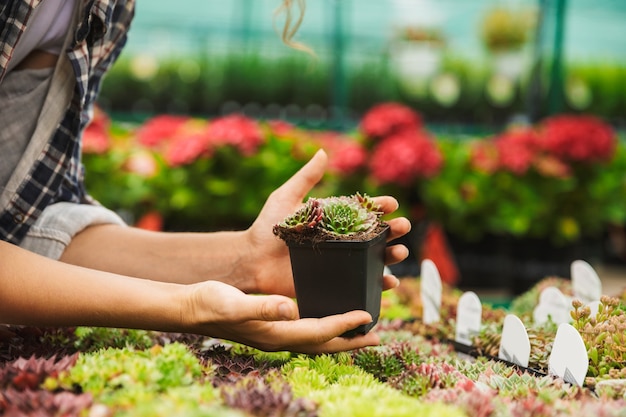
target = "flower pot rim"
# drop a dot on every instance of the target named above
(343, 243)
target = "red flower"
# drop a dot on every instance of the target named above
(96, 135)
(403, 157)
(578, 138)
(345, 155)
(387, 119)
(517, 149)
(237, 130)
(160, 129)
(185, 149)
(280, 127)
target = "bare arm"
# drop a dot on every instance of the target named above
(38, 291)
(35, 290)
(253, 260)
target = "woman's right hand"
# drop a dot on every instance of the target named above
(268, 322)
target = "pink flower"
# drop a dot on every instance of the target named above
(390, 118)
(142, 163)
(237, 130)
(160, 129)
(578, 138)
(404, 157)
(96, 137)
(345, 155)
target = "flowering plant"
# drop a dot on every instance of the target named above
(179, 172)
(561, 179)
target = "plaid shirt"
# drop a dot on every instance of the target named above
(57, 175)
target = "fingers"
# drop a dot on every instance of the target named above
(387, 203)
(399, 227)
(395, 254)
(326, 336)
(267, 308)
(390, 282)
(306, 178)
(340, 344)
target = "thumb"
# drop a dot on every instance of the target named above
(305, 179)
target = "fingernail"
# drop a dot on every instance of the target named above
(285, 311)
(396, 282)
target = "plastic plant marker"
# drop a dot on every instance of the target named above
(585, 282)
(515, 344)
(553, 305)
(569, 359)
(593, 306)
(430, 289)
(468, 317)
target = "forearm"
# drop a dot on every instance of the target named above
(169, 257)
(38, 291)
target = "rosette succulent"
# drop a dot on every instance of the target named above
(343, 217)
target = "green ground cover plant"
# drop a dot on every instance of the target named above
(85, 371)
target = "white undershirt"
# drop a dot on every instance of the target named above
(46, 29)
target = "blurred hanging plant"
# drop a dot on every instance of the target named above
(505, 29)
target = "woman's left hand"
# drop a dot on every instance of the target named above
(271, 266)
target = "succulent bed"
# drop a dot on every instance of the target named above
(105, 372)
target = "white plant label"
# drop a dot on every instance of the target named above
(569, 359)
(469, 314)
(554, 305)
(593, 306)
(430, 291)
(515, 344)
(585, 282)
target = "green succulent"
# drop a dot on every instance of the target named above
(346, 215)
(334, 216)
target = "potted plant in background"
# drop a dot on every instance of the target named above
(337, 249)
(504, 33)
(417, 53)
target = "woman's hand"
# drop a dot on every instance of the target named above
(271, 266)
(268, 322)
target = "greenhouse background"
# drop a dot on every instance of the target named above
(471, 72)
(231, 57)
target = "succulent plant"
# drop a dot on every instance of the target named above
(331, 218)
(386, 361)
(43, 403)
(23, 374)
(605, 337)
(269, 396)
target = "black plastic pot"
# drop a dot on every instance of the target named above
(337, 276)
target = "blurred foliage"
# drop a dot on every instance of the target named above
(187, 173)
(299, 88)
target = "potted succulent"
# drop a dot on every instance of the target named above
(337, 247)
